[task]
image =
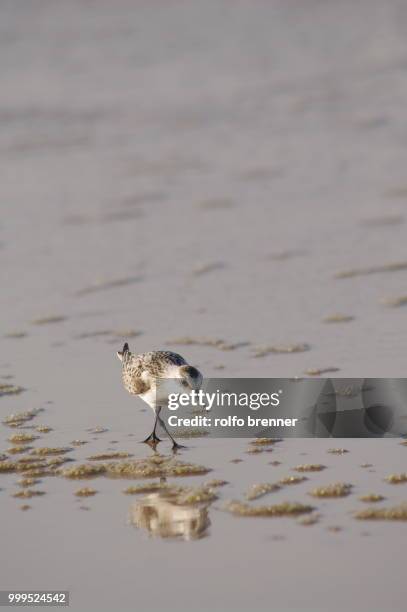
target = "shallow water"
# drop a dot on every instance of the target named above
(202, 170)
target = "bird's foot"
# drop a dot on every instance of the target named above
(152, 439)
(176, 446)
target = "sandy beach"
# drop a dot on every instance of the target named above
(220, 179)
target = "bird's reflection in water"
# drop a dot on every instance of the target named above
(162, 517)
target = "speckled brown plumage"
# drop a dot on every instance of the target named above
(139, 371)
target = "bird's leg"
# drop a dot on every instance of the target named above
(153, 438)
(174, 443)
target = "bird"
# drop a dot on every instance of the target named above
(153, 376)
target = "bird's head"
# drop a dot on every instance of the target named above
(191, 378)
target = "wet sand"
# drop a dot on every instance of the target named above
(230, 173)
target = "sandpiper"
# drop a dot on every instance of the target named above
(153, 376)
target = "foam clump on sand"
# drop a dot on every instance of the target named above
(212, 342)
(148, 487)
(259, 490)
(310, 467)
(371, 498)
(107, 456)
(19, 418)
(33, 466)
(338, 318)
(310, 519)
(289, 480)
(139, 468)
(85, 492)
(339, 489)
(27, 482)
(281, 348)
(7, 466)
(192, 433)
(282, 509)
(6, 389)
(257, 449)
(391, 267)
(320, 371)
(49, 450)
(28, 493)
(397, 478)
(22, 438)
(155, 466)
(216, 482)
(395, 513)
(83, 471)
(265, 441)
(19, 449)
(195, 495)
(49, 319)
